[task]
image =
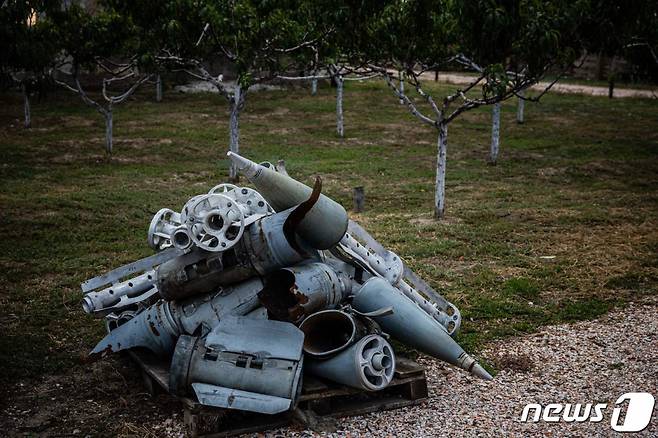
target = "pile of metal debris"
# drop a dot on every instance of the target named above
(249, 288)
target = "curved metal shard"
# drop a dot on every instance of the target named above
(158, 327)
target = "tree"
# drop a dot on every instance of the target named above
(338, 74)
(511, 44)
(109, 45)
(258, 39)
(29, 46)
(622, 29)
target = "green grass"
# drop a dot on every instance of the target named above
(577, 182)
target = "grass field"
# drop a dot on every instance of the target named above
(563, 228)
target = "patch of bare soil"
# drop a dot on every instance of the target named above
(105, 398)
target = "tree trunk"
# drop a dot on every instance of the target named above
(495, 134)
(520, 117)
(436, 75)
(401, 88)
(339, 106)
(611, 77)
(440, 193)
(28, 113)
(108, 130)
(234, 131)
(158, 89)
(314, 86)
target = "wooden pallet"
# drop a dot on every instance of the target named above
(320, 400)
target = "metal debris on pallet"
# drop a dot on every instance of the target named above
(250, 287)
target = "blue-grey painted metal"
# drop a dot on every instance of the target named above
(260, 358)
(262, 249)
(218, 396)
(411, 325)
(291, 294)
(119, 296)
(330, 331)
(154, 328)
(158, 327)
(324, 224)
(129, 270)
(368, 364)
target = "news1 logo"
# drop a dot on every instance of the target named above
(634, 418)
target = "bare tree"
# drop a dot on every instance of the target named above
(463, 99)
(338, 74)
(114, 75)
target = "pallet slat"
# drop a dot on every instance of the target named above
(319, 399)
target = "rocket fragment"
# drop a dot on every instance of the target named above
(411, 325)
(322, 227)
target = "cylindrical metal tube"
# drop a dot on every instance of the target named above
(369, 364)
(158, 327)
(118, 296)
(323, 225)
(329, 332)
(291, 294)
(251, 356)
(262, 249)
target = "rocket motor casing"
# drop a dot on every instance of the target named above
(262, 249)
(290, 294)
(322, 226)
(158, 327)
(411, 325)
(368, 364)
(259, 362)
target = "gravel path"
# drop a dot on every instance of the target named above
(559, 87)
(587, 362)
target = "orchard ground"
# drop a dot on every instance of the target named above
(564, 228)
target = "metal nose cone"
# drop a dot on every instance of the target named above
(322, 226)
(481, 372)
(411, 325)
(247, 167)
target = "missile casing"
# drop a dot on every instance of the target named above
(368, 364)
(244, 363)
(331, 331)
(411, 325)
(322, 226)
(291, 294)
(158, 327)
(262, 249)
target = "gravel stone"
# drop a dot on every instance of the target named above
(586, 362)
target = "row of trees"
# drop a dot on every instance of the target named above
(509, 45)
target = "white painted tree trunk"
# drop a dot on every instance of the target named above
(495, 134)
(401, 88)
(440, 185)
(234, 130)
(314, 86)
(339, 106)
(28, 113)
(520, 107)
(158, 89)
(108, 130)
